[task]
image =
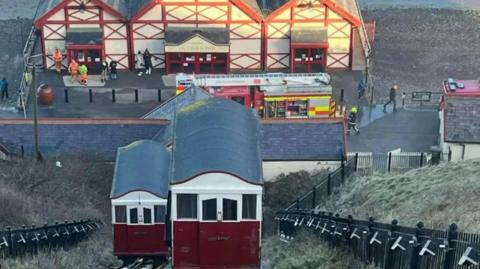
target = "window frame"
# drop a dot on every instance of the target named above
(164, 218)
(204, 197)
(238, 205)
(129, 216)
(140, 215)
(255, 196)
(197, 207)
(115, 221)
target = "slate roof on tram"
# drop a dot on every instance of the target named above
(228, 143)
(141, 166)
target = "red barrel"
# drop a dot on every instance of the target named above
(45, 95)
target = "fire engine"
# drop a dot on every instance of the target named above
(273, 95)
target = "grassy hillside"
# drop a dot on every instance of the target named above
(306, 252)
(438, 196)
(32, 192)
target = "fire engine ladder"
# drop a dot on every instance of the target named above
(258, 79)
(367, 47)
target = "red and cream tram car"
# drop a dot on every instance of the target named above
(139, 201)
(216, 187)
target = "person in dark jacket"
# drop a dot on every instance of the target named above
(361, 88)
(352, 121)
(147, 61)
(113, 69)
(393, 96)
(4, 87)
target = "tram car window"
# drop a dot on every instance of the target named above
(139, 199)
(120, 214)
(160, 212)
(249, 209)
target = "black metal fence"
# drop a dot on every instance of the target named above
(388, 246)
(322, 190)
(29, 240)
(395, 162)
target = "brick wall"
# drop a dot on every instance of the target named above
(74, 136)
(302, 141)
(462, 122)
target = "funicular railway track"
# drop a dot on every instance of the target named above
(143, 264)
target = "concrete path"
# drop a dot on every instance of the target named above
(381, 132)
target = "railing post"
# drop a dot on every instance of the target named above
(389, 161)
(114, 97)
(356, 162)
(417, 247)
(367, 246)
(90, 95)
(10, 241)
(343, 168)
(159, 92)
(389, 257)
(342, 93)
(329, 184)
(452, 235)
(66, 96)
(421, 159)
(314, 198)
(136, 95)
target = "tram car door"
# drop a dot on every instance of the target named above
(217, 230)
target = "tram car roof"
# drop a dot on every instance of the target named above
(141, 166)
(216, 135)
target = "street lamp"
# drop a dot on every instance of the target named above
(33, 93)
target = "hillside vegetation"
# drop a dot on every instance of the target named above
(437, 196)
(36, 193)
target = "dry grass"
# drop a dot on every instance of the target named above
(306, 252)
(95, 253)
(437, 196)
(283, 191)
(41, 192)
(35, 193)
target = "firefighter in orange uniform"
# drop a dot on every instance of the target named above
(58, 58)
(73, 70)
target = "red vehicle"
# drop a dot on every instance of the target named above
(273, 95)
(139, 200)
(216, 187)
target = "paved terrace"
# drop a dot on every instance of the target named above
(125, 105)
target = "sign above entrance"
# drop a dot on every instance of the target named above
(197, 44)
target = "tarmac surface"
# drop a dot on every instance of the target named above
(380, 132)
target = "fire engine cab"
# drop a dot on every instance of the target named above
(273, 95)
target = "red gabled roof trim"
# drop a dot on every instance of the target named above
(329, 3)
(144, 10)
(253, 14)
(247, 9)
(43, 19)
